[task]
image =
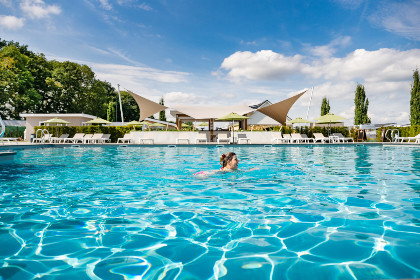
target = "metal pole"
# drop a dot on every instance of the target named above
(119, 96)
(310, 101)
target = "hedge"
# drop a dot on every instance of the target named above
(408, 131)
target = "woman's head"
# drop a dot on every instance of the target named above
(229, 161)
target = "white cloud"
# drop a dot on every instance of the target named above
(262, 65)
(145, 7)
(401, 18)
(331, 48)
(105, 4)
(37, 9)
(11, 22)
(177, 98)
(349, 4)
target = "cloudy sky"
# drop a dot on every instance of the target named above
(222, 52)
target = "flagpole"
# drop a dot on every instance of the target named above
(119, 96)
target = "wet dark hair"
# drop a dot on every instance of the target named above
(225, 158)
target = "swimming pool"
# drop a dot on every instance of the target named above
(308, 212)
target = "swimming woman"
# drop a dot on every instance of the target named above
(228, 161)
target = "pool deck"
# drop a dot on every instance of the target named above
(28, 145)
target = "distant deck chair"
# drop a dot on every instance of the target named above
(296, 138)
(183, 137)
(401, 139)
(128, 138)
(242, 138)
(95, 137)
(104, 138)
(202, 138)
(287, 138)
(77, 137)
(87, 138)
(306, 139)
(320, 137)
(8, 139)
(342, 138)
(223, 137)
(59, 139)
(277, 137)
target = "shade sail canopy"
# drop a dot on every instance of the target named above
(98, 121)
(232, 117)
(329, 118)
(278, 111)
(211, 112)
(56, 121)
(203, 124)
(146, 106)
(299, 120)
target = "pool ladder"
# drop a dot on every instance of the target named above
(393, 134)
(42, 132)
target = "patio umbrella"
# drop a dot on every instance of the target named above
(56, 121)
(329, 118)
(156, 125)
(232, 117)
(98, 121)
(134, 123)
(298, 120)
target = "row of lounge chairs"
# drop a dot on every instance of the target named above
(415, 139)
(78, 137)
(241, 138)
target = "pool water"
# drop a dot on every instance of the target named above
(307, 212)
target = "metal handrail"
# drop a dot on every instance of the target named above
(394, 134)
(43, 132)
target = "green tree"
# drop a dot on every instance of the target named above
(110, 112)
(162, 115)
(325, 106)
(415, 100)
(130, 108)
(361, 106)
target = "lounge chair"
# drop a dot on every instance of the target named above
(126, 139)
(62, 137)
(145, 140)
(320, 137)
(287, 138)
(182, 136)
(296, 138)
(8, 139)
(342, 138)
(202, 138)
(77, 137)
(401, 139)
(223, 137)
(242, 138)
(104, 138)
(306, 139)
(95, 138)
(86, 138)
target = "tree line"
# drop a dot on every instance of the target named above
(29, 83)
(361, 103)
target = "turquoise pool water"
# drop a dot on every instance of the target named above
(308, 212)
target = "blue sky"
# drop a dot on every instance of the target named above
(232, 52)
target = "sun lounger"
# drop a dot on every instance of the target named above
(320, 137)
(306, 139)
(242, 138)
(402, 139)
(104, 138)
(126, 139)
(95, 138)
(202, 138)
(277, 137)
(343, 139)
(77, 137)
(145, 140)
(183, 137)
(87, 138)
(287, 138)
(223, 137)
(8, 139)
(296, 138)
(62, 137)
